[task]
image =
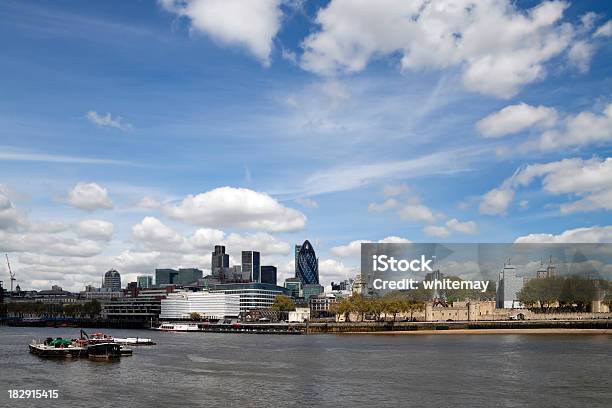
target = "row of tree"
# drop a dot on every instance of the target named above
(19, 309)
(390, 305)
(563, 292)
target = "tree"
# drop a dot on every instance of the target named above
(283, 303)
(195, 316)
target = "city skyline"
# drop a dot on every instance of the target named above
(155, 135)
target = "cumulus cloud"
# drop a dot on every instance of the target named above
(240, 207)
(499, 47)
(252, 24)
(9, 215)
(578, 235)
(452, 225)
(515, 118)
(353, 248)
(384, 206)
(416, 212)
(604, 31)
(89, 197)
(579, 130)
(107, 120)
(95, 229)
(588, 180)
(331, 270)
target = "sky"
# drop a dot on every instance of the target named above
(136, 135)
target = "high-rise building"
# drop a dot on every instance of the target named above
(187, 276)
(166, 276)
(294, 285)
(220, 262)
(307, 264)
(251, 266)
(268, 274)
(145, 282)
(508, 287)
(112, 281)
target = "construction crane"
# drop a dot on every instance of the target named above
(11, 274)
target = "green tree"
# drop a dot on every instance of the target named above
(195, 316)
(283, 303)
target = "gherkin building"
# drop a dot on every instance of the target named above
(307, 264)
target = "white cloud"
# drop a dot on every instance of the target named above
(499, 47)
(353, 248)
(252, 24)
(331, 270)
(241, 207)
(604, 31)
(384, 206)
(307, 202)
(580, 55)
(496, 201)
(148, 203)
(89, 197)
(392, 190)
(579, 235)
(9, 216)
(452, 225)
(436, 231)
(515, 118)
(156, 235)
(107, 120)
(588, 180)
(95, 229)
(416, 212)
(579, 130)
(467, 227)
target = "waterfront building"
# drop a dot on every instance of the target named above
(251, 266)
(145, 282)
(307, 264)
(299, 315)
(321, 305)
(145, 307)
(310, 290)
(219, 262)
(112, 281)
(253, 295)
(294, 285)
(208, 305)
(268, 274)
(508, 287)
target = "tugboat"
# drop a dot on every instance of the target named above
(105, 351)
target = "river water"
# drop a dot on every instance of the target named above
(247, 370)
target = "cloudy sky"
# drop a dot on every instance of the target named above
(136, 135)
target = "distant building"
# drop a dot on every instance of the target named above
(253, 296)
(268, 274)
(311, 290)
(342, 286)
(219, 262)
(549, 271)
(294, 286)
(251, 266)
(112, 281)
(184, 276)
(307, 264)
(321, 305)
(145, 282)
(508, 287)
(145, 307)
(208, 305)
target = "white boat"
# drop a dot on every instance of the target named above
(183, 327)
(134, 341)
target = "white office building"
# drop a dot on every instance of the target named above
(508, 287)
(208, 305)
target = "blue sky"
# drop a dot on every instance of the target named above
(137, 135)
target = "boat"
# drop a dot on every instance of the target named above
(178, 327)
(59, 347)
(134, 341)
(104, 351)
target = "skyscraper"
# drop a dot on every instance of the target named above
(112, 281)
(251, 266)
(220, 262)
(508, 287)
(307, 264)
(268, 274)
(145, 281)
